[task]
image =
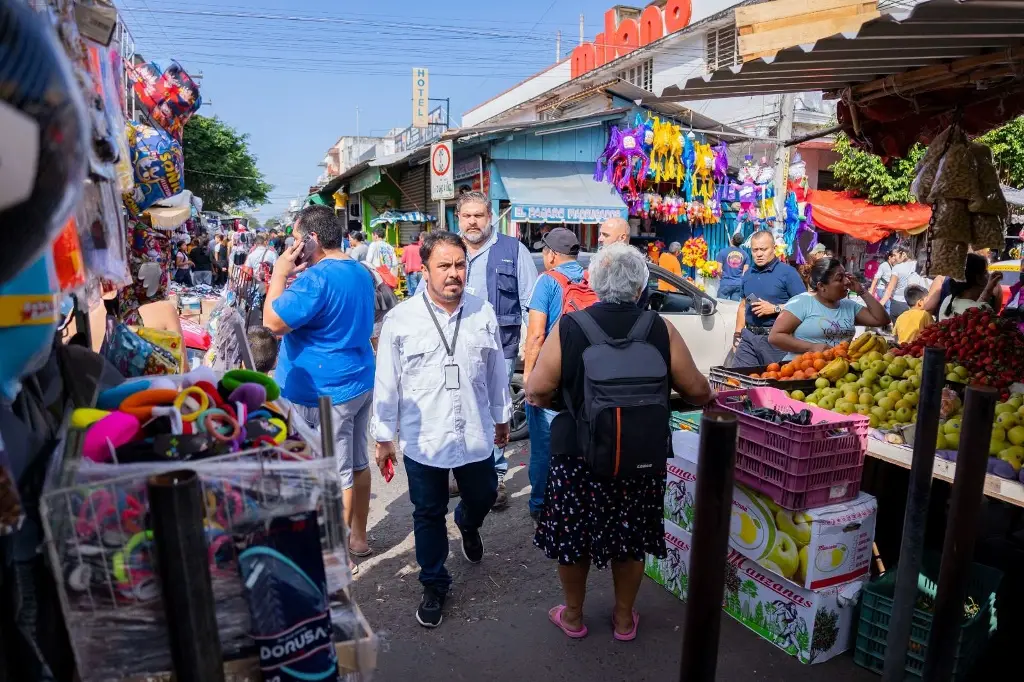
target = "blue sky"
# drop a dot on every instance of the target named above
(290, 73)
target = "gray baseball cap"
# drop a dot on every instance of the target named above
(563, 241)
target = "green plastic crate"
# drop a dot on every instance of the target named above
(876, 610)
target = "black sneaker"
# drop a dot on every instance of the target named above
(429, 613)
(472, 546)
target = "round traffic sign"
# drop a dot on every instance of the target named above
(440, 160)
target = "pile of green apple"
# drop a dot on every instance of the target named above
(1006, 446)
(884, 388)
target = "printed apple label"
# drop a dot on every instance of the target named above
(830, 558)
(750, 526)
(19, 156)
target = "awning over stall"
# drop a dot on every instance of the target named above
(840, 213)
(556, 192)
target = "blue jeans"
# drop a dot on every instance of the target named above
(428, 492)
(754, 350)
(539, 421)
(730, 292)
(500, 461)
(412, 281)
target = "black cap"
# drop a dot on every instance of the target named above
(561, 240)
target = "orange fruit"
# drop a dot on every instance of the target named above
(811, 374)
(798, 375)
(828, 355)
(787, 371)
(755, 375)
(819, 364)
(774, 367)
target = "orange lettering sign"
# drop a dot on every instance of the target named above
(619, 40)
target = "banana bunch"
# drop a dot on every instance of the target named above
(866, 343)
(835, 370)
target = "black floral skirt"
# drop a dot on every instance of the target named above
(586, 517)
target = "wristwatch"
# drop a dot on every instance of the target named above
(778, 309)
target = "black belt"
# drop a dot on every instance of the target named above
(759, 331)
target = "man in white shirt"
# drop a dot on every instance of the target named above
(442, 388)
(381, 253)
(262, 252)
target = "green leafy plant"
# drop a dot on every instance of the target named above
(759, 614)
(801, 641)
(826, 631)
(864, 174)
(219, 167)
(1007, 144)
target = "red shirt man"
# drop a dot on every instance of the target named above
(411, 261)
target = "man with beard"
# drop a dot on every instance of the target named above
(441, 388)
(499, 269)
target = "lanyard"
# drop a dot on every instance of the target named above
(458, 321)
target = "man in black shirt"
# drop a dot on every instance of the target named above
(202, 272)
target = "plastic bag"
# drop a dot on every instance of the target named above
(990, 199)
(159, 166)
(928, 166)
(170, 96)
(957, 175)
(948, 259)
(951, 221)
(987, 231)
(134, 356)
(169, 341)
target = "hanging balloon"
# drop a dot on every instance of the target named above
(44, 147)
(159, 166)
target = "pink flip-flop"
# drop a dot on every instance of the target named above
(555, 616)
(631, 635)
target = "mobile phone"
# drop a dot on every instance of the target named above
(389, 471)
(752, 299)
(308, 249)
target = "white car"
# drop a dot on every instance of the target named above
(706, 324)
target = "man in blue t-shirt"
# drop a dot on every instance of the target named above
(766, 288)
(561, 249)
(735, 263)
(326, 319)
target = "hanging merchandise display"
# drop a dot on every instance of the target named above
(44, 149)
(169, 95)
(29, 313)
(957, 178)
(159, 165)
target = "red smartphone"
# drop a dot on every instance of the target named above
(389, 471)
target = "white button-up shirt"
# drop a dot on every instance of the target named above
(438, 426)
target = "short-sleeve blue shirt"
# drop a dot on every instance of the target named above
(547, 294)
(732, 259)
(776, 283)
(329, 309)
(821, 324)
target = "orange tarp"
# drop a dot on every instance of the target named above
(839, 212)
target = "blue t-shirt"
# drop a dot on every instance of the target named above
(776, 283)
(732, 259)
(330, 309)
(547, 294)
(821, 324)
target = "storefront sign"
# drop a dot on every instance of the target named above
(442, 183)
(525, 213)
(467, 168)
(420, 97)
(629, 34)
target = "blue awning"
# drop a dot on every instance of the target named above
(391, 217)
(558, 192)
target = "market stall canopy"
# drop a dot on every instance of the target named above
(391, 217)
(844, 214)
(557, 192)
(902, 74)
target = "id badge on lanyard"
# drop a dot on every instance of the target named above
(451, 370)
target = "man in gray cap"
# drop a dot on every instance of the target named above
(561, 248)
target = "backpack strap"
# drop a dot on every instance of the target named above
(595, 335)
(559, 277)
(642, 328)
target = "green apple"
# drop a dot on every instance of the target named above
(1005, 407)
(800, 577)
(951, 425)
(870, 376)
(913, 398)
(822, 382)
(851, 396)
(879, 366)
(902, 404)
(855, 366)
(895, 370)
(862, 409)
(1017, 400)
(851, 378)
(995, 447)
(962, 371)
(953, 441)
(1016, 435)
(903, 415)
(886, 403)
(903, 386)
(879, 411)
(874, 421)
(798, 395)
(998, 434)
(866, 399)
(1020, 412)
(795, 524)
(915, 381)
(785, 554)
(888, 357)
(833, 393)
(827, 403)
(940, 442)
(954, 377)
(812, 401)
(1007, 420)
(1014, 455)
(949, 367)
(885, 426)
(845, 407)
(885, 382)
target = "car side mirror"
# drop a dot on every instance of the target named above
(707, 307)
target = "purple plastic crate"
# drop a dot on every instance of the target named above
(798, 467)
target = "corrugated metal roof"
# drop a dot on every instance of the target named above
(465, 134)
(933, 32)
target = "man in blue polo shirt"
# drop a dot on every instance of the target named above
(766, 288)
(561, 249)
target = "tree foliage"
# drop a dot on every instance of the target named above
(1007, 144)
(272, 223)
(219, 168)
(864, 174)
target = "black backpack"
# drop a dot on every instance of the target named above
(623, 425)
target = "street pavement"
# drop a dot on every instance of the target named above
(495, 626)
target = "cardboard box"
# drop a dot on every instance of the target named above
(814, 626)
(815, 548)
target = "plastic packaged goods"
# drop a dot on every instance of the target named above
(990, 199)
(948, 259)
(951, 221)
(957, 175)
(928, 166)
(97, 535)
(987, 232)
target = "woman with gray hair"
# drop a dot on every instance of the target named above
(588, 518)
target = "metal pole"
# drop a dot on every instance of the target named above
(713, 506)
(916, 515)
(177, 512)
(961, 529)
